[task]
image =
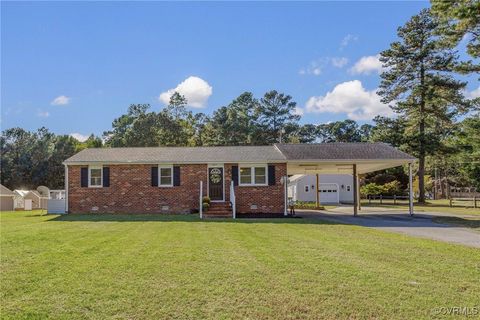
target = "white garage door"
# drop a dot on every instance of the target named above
(328, 193)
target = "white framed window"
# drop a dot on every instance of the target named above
(306, 189)
(95, 176)
(165, 176)
(253, 175)
(349, 188)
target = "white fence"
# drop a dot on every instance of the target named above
(56, 206)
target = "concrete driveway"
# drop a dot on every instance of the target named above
(420, 225)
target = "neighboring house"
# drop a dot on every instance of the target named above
(37, 200)
(333, 188)
(168, 179)
(6, 198)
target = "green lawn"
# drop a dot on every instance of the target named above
(156, 267)
(459, 208)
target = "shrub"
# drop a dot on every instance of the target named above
(392, 188)
(205, 205)
(372, 189)
(206, 200)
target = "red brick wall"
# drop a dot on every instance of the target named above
(130, 191)
(268, 199)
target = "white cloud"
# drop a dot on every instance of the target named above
(349, 38)
(60, 101)
(367, 65)
(43, 114)
(339, 62)
(316, 66)
(298, 111)
(351, 98)
(313, 68)
(80, 137)
(473, 94)
(196, 91)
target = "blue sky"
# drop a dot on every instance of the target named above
(74, 67)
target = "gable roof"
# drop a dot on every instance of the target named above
(178, 155)
(24, 193)
(4, 191)
(239, 154)
(342, 151)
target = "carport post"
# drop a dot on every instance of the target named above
(358, 193)
(317, 198)
(410, 189)
(355, 192)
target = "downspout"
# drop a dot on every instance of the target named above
(66, 188)
(285, 190)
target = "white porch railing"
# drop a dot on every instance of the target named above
(200, 210)
(232, 200)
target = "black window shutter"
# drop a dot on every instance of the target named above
(271, 175)
(154, 176)
(84, 177)
(106, 176)
(235, 175)
(176, 175)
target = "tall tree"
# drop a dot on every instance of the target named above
(120, 126)
(340, 131)
(417, 81)
(391, 131)
(235, 124)
(177, 106)
(308, 133)
(459, 18)
(65, 146)
(276, 112)
(30, 159)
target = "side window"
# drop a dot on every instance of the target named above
(94, 176)
(306, 189)
(165, 176)
(348, 188)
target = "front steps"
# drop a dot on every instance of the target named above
(218, 210)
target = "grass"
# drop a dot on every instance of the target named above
(161, 267)
(431, 206)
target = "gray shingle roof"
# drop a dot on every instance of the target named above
(276, 153)
(179, 154)
(342, 151)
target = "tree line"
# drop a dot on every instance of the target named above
(435, 121)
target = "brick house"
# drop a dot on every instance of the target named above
(169, 179)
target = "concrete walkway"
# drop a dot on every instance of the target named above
(420, 225)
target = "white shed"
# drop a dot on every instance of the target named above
(333, 188)
(6, 199)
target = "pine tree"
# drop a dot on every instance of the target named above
(457, 19)
(276, 112)
(177, 106)
(418, 83)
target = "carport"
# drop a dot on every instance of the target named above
(345, 158)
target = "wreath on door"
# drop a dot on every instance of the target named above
(215, 175)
